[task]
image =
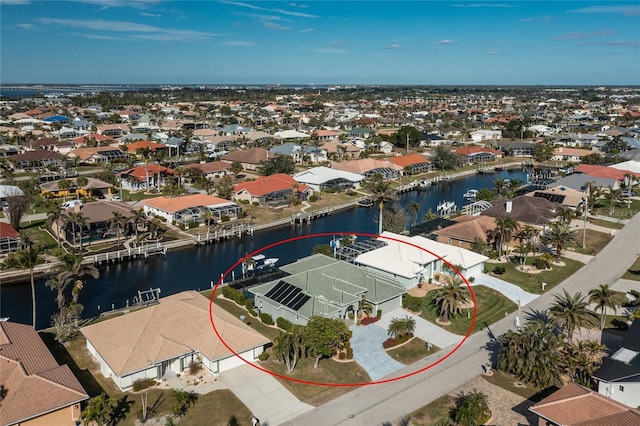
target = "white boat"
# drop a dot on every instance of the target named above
(446, 207)
(260, 261)
(471, 194)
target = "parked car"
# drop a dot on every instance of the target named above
(628, 193)
(115, 198)
(71, 203)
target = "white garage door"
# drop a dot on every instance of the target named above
(234, 361)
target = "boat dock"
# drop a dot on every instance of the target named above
(144, 250)
(231, 231)
(302, 217)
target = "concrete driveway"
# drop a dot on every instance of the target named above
(266, 397)
(366, 343)
(425, 330)
(511, 291)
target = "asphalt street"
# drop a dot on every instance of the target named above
(389, 402)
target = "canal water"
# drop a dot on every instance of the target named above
(196, 268)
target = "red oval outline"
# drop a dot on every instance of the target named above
(333, 234)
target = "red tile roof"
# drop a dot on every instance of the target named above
(141, 171)
(408, 160)
(268, 184)
(470, 150)
(134, 146)
(8, 231)
(175, 204)
(603, 171)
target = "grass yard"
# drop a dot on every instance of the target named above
(511, 383)
(595, 241)
(328, 371)
(491, 307)
(532, 283)
(633, 273)
(622, 209)
(606, 223)
(411, 352)
(160, 402)
(37, 231)
(436, 412)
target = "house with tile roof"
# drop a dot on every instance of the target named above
(619, 375)
(476, 154)
(412, 260)
(186, 209)
(466, 230)
(412, 163)
(136, 179)
(575, 405)
(37, 390)
(112, 129)
(535, 211)
(323, 178)
(250, 159)
(211, 169)
(99, 155)
(9, 239)
(31, 160)
(368, 167)
(570, 154)
(483, 135)
(134, 148)
(94, 187)
(168, 336)
(271, 190)
(324, 286)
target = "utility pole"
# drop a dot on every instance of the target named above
(584, 224)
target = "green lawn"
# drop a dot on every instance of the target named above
(253, 322)
(633, 273)
(606, 223)
(595, 241)
(511, 383)
(37, 231)
(491, 306)
(222, 403)
(436, 412)
(411, 352)
(328, 371)
(622, 210)
(532, 283)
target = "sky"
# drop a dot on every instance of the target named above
(320, 42)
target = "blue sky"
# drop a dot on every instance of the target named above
(320, 42)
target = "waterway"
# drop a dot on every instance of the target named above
(196, 268)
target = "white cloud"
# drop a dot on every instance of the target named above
(630, 10)
(106, 4)
(492, 52)
(238, 43)
(280, 11)
(308, 30)
(96, 36)
(26, 26)
(393, 46)
(151, 15)
(13, 2)
(329, 50)
(273, 25)
(446, 41)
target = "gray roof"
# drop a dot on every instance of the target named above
(332, 284)
(578, 181)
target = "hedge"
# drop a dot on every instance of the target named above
(235, 295)
(266, 318)
(284, 323)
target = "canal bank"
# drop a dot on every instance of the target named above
(198, 267)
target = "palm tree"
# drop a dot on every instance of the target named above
(571, 313)
(364, 307)
(558, 236)
(471, 408)
(138, 219)
(605, 298)
(507, 226)
(54, 214)
(76, 220)
(289, 347)
(381, 191)
(28, 258)
(59, 283)
(450, 297)
(117, 222)
(99, 410)
(414, 209)
(400, 327)
(500, 185)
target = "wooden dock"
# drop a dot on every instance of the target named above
(225, 233)
(302, 217)
(142, 251)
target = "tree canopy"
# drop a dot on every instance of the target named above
(323, 337)
(277, 164)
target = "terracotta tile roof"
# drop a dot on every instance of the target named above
(8, 231)
(469, 228)
(34, 381)
(175, 204)
(177, 325)
(210, 167)
(141, 171)
(84, 153)
(268, 184)
(572, 151)
(470, 150)
(574, 405)
(251, 156)
(408, 160)
(364, 165)
(332, 146)
(134, 146)
(94, 136)
(603, 171)
(531, 210)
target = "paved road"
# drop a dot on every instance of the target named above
(372, 405)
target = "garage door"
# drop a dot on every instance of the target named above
(234, 361)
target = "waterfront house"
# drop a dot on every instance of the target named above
(168, 337)
(476, 154)
(98, 155)
(465, 230)
(412, 260)
(9, 239)
(484, 135)
(36, 390)
(300, 153)
(136, 179)
(574, 155)
(368, 167)
(568, 197)
(250, 159)
(32, 160)
(535, 211)
(412, 163)
(187, 209)
(323, 178)
(619, 375)
(324, 286)
(271, 190)
(575, 405)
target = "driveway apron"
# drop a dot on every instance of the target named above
(366, 343)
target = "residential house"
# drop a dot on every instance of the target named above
(564, 195)
(49, 144)
(325, 135)
(271, 190)
(575, 405)
(187, 209)
(484, 135)
(36, 390)
(212, 169)
(535, 211)
(580, 181)
(412, 163)
(413, 260)
(93, 188)
(361, 133)
(476, 154)
(516, 148)
(138, 146)
(168, 337)
(619, 375)
(604, 171)
(291, 135)
(250, 159)
(342, 150)
(31, 160)
(320, 285)
(323, 178)
(144, 177)
(9, 239)
(301, 153)
(466, 230)
(112, 129)
(99, 155)
(258, 138)
(570, 154)
(369, 167)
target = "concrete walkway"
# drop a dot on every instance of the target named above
(265, 396)
(574, 255)
(425, 330)
(366, 343)
(511, 291)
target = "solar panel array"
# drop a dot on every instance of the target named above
(288, 295)
(556, 198)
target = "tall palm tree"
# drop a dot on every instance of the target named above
(472, 408)
(571, 313)
(614, 196)
(381, 191)
(558, 236)
(77, 220)
(500, 186)
(450, 297)
(507, 226)
(28, 258)
(54, 214)
(414, 209)
(565, 215)
(59, 282)
(605, 298)
(138, 219)
(117, 222)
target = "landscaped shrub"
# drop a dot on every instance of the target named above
(225, 218)
(342, 356)
(313, 199)
(349, 353)
(181, 226)
(193, 225)
(330, 190)
(242, 215)
(195, 367)
(391, 342)
(499, 270)
(471, 279)
(351, 315)
(368, 320)
(253, 313)
(141, 384)
(284, 323)
(255, 203)
(248, 304)
(266, 318)
(263, 356)
(235, 295)
(412, 303)
(379, 313)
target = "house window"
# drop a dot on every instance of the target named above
(460, 243)
(621, 388)
(449, 241)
